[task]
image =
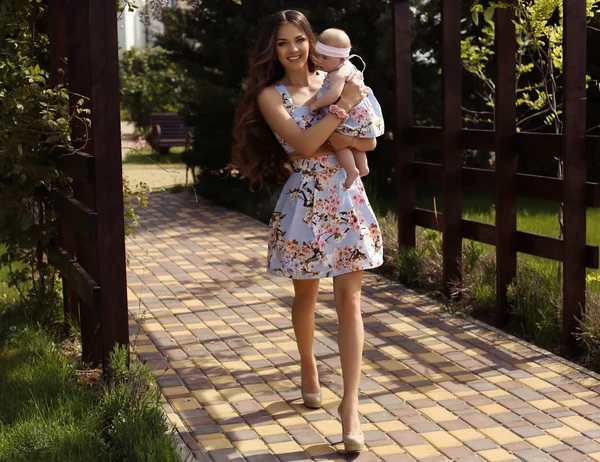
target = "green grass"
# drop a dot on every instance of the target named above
(144, 157)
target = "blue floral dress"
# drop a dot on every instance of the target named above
(319, 228)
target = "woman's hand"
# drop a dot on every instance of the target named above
(338, 141)
(352, 94)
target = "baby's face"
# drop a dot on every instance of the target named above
(327, 63)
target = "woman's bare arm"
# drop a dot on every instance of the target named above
(305, 142)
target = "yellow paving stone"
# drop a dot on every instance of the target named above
(579, 423)
(328, 427)
(413, 378)
(285, 447)
(439, 395)
(543, 404)
(277, 408)
(466, 377)
(587, 382)
(421, 451)
(473, 351)
(492, 409)
(437, 414)
(236, 427)
(282, 385)
(464, 336)
(410, 395)
(543, 441)
(381, 379)
(257, 388)
(369, 408)
(452, 369)
(217, 443)
(391, 426)
(572, 402)
(145, 349)
(441, 439)
(466, 434)
(181, 364)
(206, 361)
(207, 396)
(172, 391)
(287, 422)
(386, 450)
(220, 380)
(496, 455)
(185, 404)
(501, 435)
(562, 432)
(318, 449)
(250, 445)
(535, 383)
(269, 430)
(432, 358)
(219, 411)
(495, 393)
(235, 366)
(594, 456)
(548, 375)
(439, 377)
(235, 394)
(392, 365)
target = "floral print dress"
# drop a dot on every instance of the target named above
(319, 228)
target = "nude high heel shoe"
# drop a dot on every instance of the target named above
(352, 443)
(312, 400)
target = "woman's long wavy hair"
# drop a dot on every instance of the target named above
(256, 152)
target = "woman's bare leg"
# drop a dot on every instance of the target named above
(360, 159)
(351, 336)
(303, 319)
(346, 158)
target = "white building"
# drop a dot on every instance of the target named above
(135, 32)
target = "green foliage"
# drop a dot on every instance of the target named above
(535, 303)
(151, 82)
(34, 131)
(589, 333)
(135, 428)
(539, 61)
(43, 415)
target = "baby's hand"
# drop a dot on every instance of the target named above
(314, 108)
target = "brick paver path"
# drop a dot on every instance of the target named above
(216, 330)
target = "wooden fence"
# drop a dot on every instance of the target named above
(91, 255)
(572, 147)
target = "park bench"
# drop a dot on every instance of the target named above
(168, 130)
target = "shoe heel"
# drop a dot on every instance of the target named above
(352, 443)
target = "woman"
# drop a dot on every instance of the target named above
(319, 228)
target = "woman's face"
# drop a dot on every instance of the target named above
(292, 47)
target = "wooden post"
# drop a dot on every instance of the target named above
(79, 85)
(506, 157)
(59, 51)
(106, 124)
(574, 94)
(405, 183)
(452, 154)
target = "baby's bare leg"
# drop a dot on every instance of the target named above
(360, 159)
(347, 160)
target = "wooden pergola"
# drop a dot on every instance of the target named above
(572, 146)
(91, 256)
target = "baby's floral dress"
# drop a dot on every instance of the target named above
(319, 228)
(366, 118)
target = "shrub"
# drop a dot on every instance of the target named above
(150, 82)
(136, 427)
(589, 333)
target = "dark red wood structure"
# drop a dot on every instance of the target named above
(91, 256)
(572, 146)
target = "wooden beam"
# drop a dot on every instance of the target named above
(106, 123)
(505, 115)
(83, 219)
(405, 184)
(451, 150)
(574, 102)
(78, 278)
(78, 165)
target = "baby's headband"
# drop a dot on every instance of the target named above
(334, 52)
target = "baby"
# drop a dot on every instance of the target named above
(365, 120)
